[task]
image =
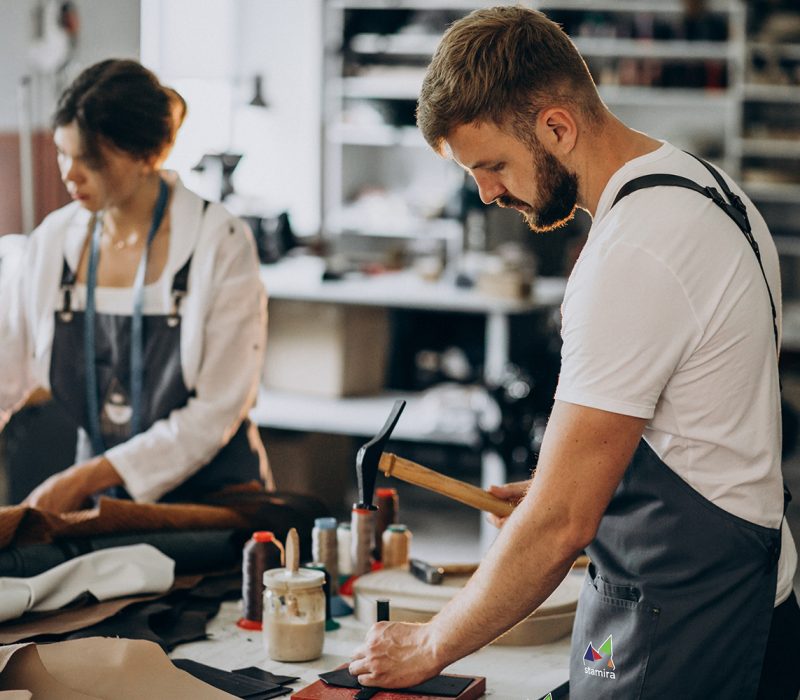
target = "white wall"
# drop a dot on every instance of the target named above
(108, 28)
(210, 51)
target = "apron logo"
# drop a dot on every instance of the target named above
(600, 662)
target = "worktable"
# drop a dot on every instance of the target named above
(512, 673)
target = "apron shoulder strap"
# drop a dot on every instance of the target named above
(180, 283)
(180, 287)
(67, 285)
(733, 206)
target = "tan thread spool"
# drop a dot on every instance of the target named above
(388, 513)
(362, 543)
(324, 549)
(396, 546)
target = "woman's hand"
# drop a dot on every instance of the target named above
(513, 493)
(395, 655)
(68, 490)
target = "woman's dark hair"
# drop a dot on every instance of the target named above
(121, 103)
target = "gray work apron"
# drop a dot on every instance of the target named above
(679, 596)
(163, 388)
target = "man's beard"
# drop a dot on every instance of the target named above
(558, 194)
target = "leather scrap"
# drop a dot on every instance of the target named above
(445, 686)
(86, 613)
(99, 669)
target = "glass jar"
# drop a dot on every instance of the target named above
(294, 614)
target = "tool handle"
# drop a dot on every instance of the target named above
(413, 473)
(459, 569)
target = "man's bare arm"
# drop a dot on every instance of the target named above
(584, 455)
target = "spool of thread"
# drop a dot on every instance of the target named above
(382, 610)
(396, 546)
(330, 623)
(343, 537)
(362, 526)
(388, 513)
(261, 553)
(324, 549)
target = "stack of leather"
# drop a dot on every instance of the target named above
(204, 539)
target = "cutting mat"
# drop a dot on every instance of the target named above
(321, 691)
(414, 601)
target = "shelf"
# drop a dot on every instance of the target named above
(423, 420)
(783, 50)
(772, 93)
(655, 6)
(778, 192)
(466, 5)
(376, 135)
(300, 279)
(406, 86)
(790, 335)
(770, 148)
(389, 86)
(788, 246)
(636, 48)
(664, 97)
(420, 45)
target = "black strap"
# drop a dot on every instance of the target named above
(180, 282)
(733, 206)
(67, 285)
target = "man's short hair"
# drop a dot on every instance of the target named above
(502, 65)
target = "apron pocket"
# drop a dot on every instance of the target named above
(611, 641)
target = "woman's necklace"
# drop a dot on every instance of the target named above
(120, 243)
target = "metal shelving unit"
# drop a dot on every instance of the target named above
(769, 146)
(374, 73)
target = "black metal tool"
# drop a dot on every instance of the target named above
(427, 573)
(369, 456)
(434, 575)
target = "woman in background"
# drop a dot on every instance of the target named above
(138, 306)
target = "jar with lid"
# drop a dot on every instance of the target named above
(294, 614)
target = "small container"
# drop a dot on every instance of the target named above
(388, 513)
(261, 553)
(396, 545)
(324, 549)
(343, 536)
(294, 614)
(362, 538)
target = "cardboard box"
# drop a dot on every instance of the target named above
(320, 465)
(326, 349)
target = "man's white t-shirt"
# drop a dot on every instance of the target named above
(667, 317)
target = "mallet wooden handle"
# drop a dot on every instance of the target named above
(413, 473)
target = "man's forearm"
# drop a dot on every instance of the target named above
(531, 556)
(583, 456)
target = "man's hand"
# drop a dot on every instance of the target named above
(68, 490)
(513, 493)
(396, 655)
